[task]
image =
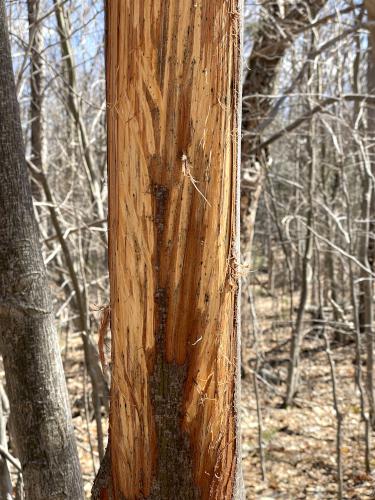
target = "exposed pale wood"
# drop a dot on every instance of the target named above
(173, 73)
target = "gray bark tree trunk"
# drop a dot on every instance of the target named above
(99, 387)
(36, 89)
(40, 414)
(367, 239)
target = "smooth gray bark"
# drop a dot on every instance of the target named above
(40, 414)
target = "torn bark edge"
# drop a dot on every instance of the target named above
(238, 490)
(104, 325)
(102, 487)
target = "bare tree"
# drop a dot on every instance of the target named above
(367, 246)
(74, 108)
(41, 183)
(298, 329)
(36, 88)
(280, 23)
(40, 414)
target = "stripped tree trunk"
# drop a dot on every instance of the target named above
(173, 73)
(40, 415)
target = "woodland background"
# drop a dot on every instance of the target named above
(308, 239)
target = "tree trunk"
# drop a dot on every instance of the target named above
(278, 27)
(306, 276)
(38, 168)
(74, 108)
(40, 414)
(367, 245)
(173, 73)
(36, 90)
(276, 32)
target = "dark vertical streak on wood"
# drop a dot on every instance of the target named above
(174, 463)
(162, 41)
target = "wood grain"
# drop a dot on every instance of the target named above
(172, 84)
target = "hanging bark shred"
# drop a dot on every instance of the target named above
(173, 73)
(103, 328)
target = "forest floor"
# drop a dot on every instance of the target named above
(83, 419)
(299, 442)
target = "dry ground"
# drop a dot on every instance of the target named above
(300, 442)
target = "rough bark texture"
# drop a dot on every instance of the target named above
(40, 413)
(173, 72)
